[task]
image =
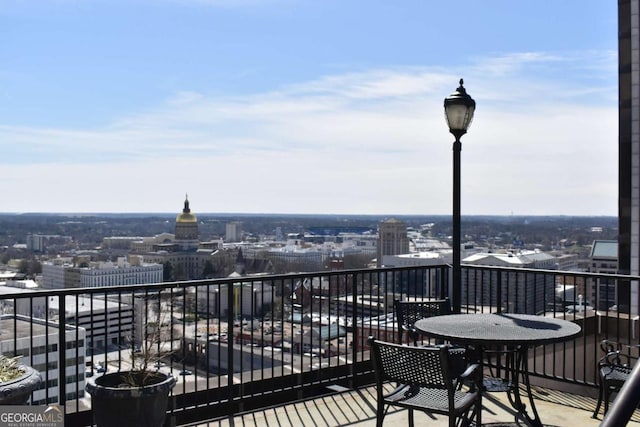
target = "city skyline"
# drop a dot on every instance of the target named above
(304, 107)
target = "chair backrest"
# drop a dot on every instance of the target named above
(618, 354)
(412, 365)
(409, 312)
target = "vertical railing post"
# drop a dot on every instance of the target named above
(230, 338)
(354, 331)
(62, 350)
(498, 291)
(445, 282)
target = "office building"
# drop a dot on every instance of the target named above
(629, 149)
(233, 232)
(93, 274)
(40, 242)
(104, 322)
(604, 259)
(392, 239)
(247, 299)
(521, 292)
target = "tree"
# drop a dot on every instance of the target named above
(353, 261)
(24, 266)
(179, 272)
(208, 271)
(35, 267)
(167, 271)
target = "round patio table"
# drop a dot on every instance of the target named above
(517, 332)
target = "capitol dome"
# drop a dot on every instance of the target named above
(186, 215)
(186, 224)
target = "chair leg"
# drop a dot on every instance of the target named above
(380, 413)
(607, 396)
(411, 418)
(600, 397)
(452, 420)
(467, 418)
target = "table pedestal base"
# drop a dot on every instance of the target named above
(496, 384)
(516, 374)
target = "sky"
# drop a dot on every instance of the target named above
(307, 106)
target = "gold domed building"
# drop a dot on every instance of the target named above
(186, 224)
(184, 256)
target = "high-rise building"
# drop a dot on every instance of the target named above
(604, 259)
(40, 242)
(392, 239)
(629, 149)
(279, 234)
(233, 232)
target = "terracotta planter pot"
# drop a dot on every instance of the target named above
(116, 404)
(18, 391)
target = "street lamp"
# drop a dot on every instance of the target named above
(458, 109)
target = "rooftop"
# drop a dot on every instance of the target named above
(12, 327)
(604, 249)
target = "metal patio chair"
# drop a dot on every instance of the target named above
(409, 312)
(424, 381)
(614, 368)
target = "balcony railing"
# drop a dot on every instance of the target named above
(243, 343)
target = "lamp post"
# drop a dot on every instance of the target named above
(458, 109)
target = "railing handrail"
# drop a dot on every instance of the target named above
(267, 277)
(551, 271)
(215, 281)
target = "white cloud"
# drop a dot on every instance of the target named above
(368, 142)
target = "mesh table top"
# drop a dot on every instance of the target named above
(505, 328)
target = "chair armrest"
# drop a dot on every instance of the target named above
(472, 371)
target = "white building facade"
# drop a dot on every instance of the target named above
(520, 292)
(123, 272)
(37, 341)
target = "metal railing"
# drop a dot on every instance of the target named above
(243, 343)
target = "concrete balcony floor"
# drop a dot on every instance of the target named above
(357, 408)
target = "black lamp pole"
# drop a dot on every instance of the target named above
(458, 108)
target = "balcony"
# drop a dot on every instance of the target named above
(253, 345)
(357, 408)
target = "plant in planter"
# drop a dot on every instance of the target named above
(137, 397)
(17, 381)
